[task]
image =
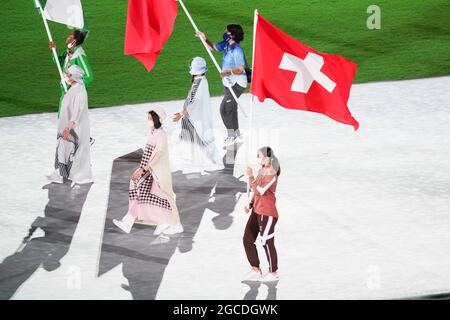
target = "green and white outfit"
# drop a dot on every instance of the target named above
(79, 58)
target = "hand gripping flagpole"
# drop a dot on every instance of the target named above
(250, 120)
(55, 54)
(210, 54)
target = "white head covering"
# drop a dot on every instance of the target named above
(198, 66)
(160, 112)
(76, 73)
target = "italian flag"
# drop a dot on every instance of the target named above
(68, 12)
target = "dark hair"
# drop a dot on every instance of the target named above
(79, 36)
(155, 118)
(268, 152)
(236, 31)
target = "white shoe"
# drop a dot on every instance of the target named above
(252, 276)
(126, 223)
(161, 239)
(229, 141)
(238, 140)
(55, 177)
(80, 182)
(160, 228)
(269, 277)
(177, 228)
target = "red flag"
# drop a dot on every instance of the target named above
(149, 25)
(299, 77)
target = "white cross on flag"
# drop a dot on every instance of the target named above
(299, 77)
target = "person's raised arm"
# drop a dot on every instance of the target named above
(52, 45)
(211, 46)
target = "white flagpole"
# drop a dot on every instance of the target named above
(250, 120)
(55, 54)
(210, 54)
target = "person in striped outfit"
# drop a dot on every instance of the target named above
(196, 117)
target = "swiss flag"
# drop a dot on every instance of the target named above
(149, 25)
(299, 77)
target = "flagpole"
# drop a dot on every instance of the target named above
(210, 54)
(55, 54)
(250, 120)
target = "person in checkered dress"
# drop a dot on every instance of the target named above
(151, 197)
(141, 189)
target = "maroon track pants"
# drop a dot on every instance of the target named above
(265, 226)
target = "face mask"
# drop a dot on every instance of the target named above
(71, 45)
(67, 79)
(226, 37)
(150, 124)
(260, 161)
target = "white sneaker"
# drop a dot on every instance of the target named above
(80, 182)
(55, 177)
(160, 228)
(269, 277)
(161, 239)
(126, 223)
(123, 226)
(229, 141)
(252, 276)
(238, 140)
(177, 228)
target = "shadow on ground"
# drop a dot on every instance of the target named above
(145, 256)
(61, 216)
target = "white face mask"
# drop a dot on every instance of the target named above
(151, 125)
(67, 79)
(259, 161)
(71, 45)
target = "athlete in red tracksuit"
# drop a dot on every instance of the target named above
(263, 217)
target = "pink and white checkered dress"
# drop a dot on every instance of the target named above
(147, 201)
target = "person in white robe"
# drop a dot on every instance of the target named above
(72, 158)
(196, 118)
